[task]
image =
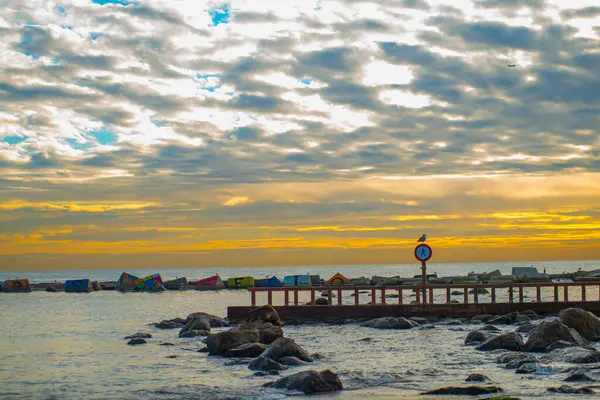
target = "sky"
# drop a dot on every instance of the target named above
(180, 133)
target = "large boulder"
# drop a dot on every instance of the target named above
(526, 328)
(213, 320)
(506, 319)
(506, 341)
(390, 323)
(560, 344)
(584, 322)
(566, 389)
(477, 337)
(514, 360)
(171, 323)
(549, 332)
(286, 347)
(220, 343)
(262, 315)
(575, 355)
(579, 375)
(309, 382)
(263, 363)
(267, 332)
(195, 324)
(247, 350)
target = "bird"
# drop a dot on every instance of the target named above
(422, 238)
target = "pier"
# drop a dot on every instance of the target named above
(345, 301)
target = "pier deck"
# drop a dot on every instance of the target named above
(439, 300)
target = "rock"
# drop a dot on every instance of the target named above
(263, 363)
(456, 293)
(451, 302)
(477, 337)
(466, 390)
(527, 368)
(285, 347)
(325, 293)
(426, 327)
(566, 389)
(531, 314)
(195, 324)
(507, 341)
(220, 343)
(575, 355)
(166, 344)
(317, 356)
(419, 320)
(247, 350)
(309, 382)
(549, 332)
(267, 333)
(483, 318)
(515, 360)
(172, 356)
(559, 344)
(522, 319)
(480, 291)
(203, 350)
(491, 328)
(194, 333)
(134, 342)
(139, 335)
(213, 320)
(584, 322)
(526, 328)
(266, 373)
(506, 319)
(477, 378)
(240, 361)
(322, 302)
(262, 315)
(290, 361)
(390, 323)
(579, 375)
(449, 322)
(168, 324)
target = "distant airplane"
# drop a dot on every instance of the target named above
(422, 238)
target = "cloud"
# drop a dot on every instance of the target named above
(236, 201)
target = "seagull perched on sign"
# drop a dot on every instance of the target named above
(422, 238)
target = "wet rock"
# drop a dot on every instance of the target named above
(168, 324)
(194, 333)
(266, 373)
(134, 342)
(322, 302)
(584, 322)
(317, 356)
(526, 328)
(566, 389)
(247, 350)
(309, 382)
(515, 360)
(575, 355)
(166, 344)
(477, 378)
(240, 361)
(449, 322)
(506, 319)
(559, 344)
(456, 293)
(531, 314)
(480, 291)
(527, 368)
(419, 320)
(390, 323)
(491, 328)
(466, 390)
(286, 347)
(213, 320)
(290, 361)
(195, 324)
(579, 375)
(549, 332)
(477, 337)
(268, 333)
(522, 319)
(506, 341)
(172, 356)
(262, 315)
(203, 350)
(263, 363)
(220, 343)
(139, 335)
(483, 318)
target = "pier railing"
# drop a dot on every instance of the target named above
(505, 293)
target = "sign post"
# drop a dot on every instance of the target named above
(423, 253)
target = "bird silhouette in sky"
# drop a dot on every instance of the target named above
(422, 238)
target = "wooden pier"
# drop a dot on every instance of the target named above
(441, 300)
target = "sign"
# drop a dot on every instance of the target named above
(423, 252)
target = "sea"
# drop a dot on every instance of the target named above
(71, 346)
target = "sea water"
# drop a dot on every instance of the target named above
(71, 346)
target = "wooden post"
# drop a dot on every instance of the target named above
(510, 294)
(583, 294)
(418, 295)
(466, 295)
(493, 295)
(424, 280)
(448, 295)
(520, 294)
(339, 297)
(373, 297)
(430, 295)
(286, 297)
(329, 298)
(566, 290)
(253, 298)
(295, 297)
(270, 298)
(356, 297)
(312, 297)
(383, 296)
(556, 293)
(538, 292)
(476, 295)
(399, 296)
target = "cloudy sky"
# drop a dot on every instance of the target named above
(167, 133)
